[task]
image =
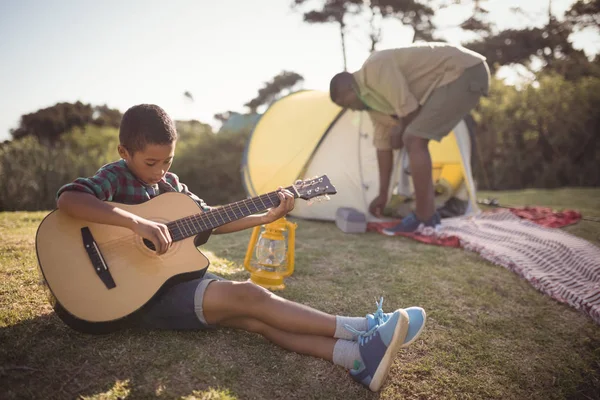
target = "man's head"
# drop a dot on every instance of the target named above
(147, 141)
(343, 92)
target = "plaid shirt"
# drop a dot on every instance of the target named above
(115, 182)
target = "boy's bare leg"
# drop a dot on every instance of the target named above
(312, 345)
(226, 300)
(421, 170)
(304, 330)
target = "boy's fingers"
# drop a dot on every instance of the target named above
(285, 192)
(163, 242)
(167, 235)
(156, 243)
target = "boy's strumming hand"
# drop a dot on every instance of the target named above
(285, 206)
(155, 232)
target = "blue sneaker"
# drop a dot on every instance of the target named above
(416, 321)
(378, 347)
(411, 223)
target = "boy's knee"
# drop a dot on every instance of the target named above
(251, 294)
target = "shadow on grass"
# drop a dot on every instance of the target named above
(43, 358)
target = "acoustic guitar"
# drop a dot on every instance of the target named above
(100, 275)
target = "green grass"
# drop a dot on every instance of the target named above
(489, 333)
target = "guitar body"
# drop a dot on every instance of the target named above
(84, 299)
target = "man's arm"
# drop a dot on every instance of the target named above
(382, 132)
(385, 161)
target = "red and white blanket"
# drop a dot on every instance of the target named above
(527, 242)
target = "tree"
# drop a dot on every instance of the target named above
(584, 14)
(478, 21)
(418, 14)
(188, 95)
(283, 83)
(224, 116)
(106, 116)
(332, 11)
(48, 124)
(551, 43)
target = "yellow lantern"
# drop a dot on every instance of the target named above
(270, 254)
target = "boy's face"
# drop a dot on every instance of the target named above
(151, 163)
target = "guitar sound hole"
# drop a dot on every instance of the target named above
(149, 245)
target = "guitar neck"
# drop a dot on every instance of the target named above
(191, 226)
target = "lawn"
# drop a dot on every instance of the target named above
(489, 334)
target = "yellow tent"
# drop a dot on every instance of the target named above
(305, 134)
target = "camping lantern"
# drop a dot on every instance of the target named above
(270, 254)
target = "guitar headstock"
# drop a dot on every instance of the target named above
(310, 188)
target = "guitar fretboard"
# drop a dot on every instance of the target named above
(190, 226)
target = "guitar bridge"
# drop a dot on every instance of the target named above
(96, 258)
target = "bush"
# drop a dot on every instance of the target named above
(211, 166)
(33, 172)
(545, 135)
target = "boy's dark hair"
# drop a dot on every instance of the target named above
(338, 84)
(146, 124)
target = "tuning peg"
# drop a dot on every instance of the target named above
(309, 203)
(327, 197)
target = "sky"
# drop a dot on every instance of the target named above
(126, 52)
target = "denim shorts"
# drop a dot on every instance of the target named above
(178, 308)
(448, 104)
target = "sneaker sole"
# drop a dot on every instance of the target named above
(396, 343)
(406, 344)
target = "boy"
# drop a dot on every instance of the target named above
(365, 346)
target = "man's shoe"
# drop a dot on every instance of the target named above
(411, 223)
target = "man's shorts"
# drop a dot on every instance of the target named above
(179, 308)
(448, 104)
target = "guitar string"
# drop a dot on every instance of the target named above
(108, 249)
(126, 241)
(190, 223)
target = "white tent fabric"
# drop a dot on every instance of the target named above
(466, 192)
(346, 154)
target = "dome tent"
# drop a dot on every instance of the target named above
(305, 134)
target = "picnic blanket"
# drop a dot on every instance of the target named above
(526, 241)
